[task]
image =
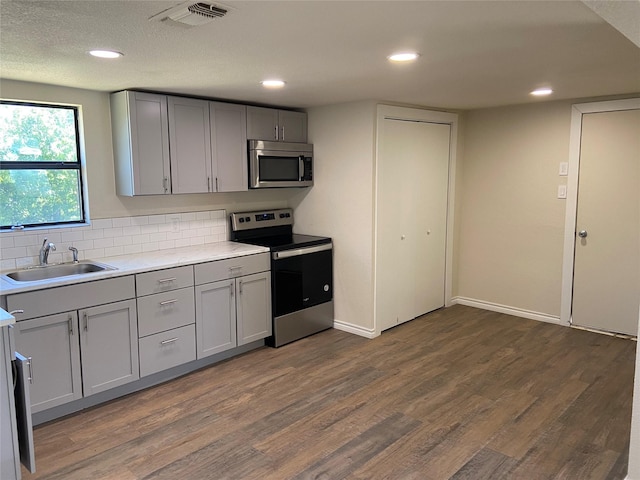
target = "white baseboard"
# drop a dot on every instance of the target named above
(517, 312)
(355, 329)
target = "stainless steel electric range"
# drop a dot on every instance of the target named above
(301, 273)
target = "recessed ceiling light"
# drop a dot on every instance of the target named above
(272, 83)
(106, 53)
(403, 57)
(541, 92)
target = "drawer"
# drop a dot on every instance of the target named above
(231, 268)
(71, 297)
(164, 311)
(164, 280)
(167, 349)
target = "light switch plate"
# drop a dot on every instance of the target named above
(562, 191)
(564, 169)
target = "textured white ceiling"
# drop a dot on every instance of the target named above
(474, 53)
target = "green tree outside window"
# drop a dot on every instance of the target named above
(40, 168)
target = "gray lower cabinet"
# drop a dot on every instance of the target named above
(233, 303)
(215, 317)
(253, 307)
(106, 335)
(53, 345)
(97, 323)
(167, 349)
(109, 346)
(166, 319)
(9, 452)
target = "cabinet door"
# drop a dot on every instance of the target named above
(53, 345)
(229, 146)
(190, 145)
(262, 123)
(254, 307)
(215, 317)
(141, 143)
(293, 126)
(109, 342)
(9, 453)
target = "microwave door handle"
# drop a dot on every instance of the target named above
(301, 167)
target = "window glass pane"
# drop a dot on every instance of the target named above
(37, 133)
(31, 197)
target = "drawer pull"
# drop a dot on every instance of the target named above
(168, 341)
(239, 267)
(167, 280)
(168, 302)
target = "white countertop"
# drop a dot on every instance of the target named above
(6, 318)
(140, 262)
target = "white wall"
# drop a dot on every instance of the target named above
(103, 201)
(340, 205)
(510, 223)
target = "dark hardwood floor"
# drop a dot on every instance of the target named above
(457, 394)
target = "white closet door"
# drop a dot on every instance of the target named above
(606, 281)
(413, 170)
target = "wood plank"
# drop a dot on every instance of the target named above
(459, 393)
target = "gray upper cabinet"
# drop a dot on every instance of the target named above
(229, 146)
(140, 129)
(168, 144)
(276, 125)
(190, 144)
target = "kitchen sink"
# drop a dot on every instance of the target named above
(34, 274)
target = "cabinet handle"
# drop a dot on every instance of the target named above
(70, 325)
(168, 302)
(231, 269)
(167, 280)
(240, 287)
(208, 184)
(232, 289)
(30, 364)
(217, 188)
(165, 182)
(168, 341)
(283, 133)
(86, 322)
(276, 132)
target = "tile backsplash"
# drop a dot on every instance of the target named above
(108, 237)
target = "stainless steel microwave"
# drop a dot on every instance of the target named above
(280, 164)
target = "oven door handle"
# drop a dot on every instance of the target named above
(301, 251)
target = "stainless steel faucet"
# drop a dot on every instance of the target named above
(74, 250)
(44, 252)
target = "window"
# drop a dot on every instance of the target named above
(40, 167)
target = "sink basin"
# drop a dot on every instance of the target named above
(34, 274)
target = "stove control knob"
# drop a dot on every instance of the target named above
(247, 219)
(326, 287)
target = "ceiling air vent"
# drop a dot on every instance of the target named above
(192, 14)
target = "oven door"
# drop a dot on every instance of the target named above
(273, 168)
(301, 278)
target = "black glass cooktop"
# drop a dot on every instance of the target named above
(287, 242)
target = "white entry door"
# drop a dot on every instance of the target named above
(606, 277)
(411, 219)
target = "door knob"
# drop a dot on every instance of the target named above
(582, 234)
